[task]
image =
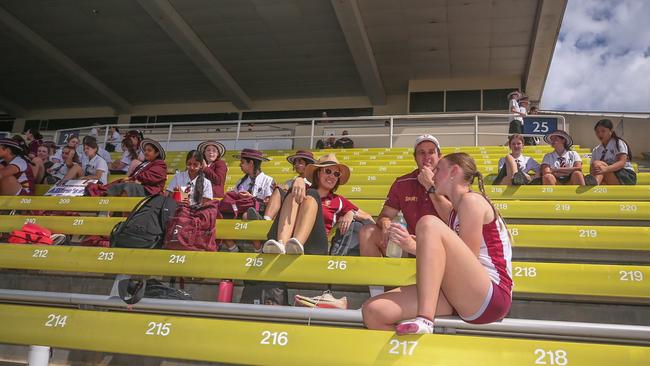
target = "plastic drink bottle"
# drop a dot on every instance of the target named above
(393, 250)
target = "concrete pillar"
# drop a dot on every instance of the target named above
(123, 119)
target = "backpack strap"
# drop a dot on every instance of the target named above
(131, 291)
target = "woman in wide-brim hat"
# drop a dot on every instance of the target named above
(16, 176)
(147, 179)
(562, 165)
(214, 169)
(299, 161)
(302, 228)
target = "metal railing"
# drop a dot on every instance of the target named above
(389, 122)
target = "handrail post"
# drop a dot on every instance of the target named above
(390, 143)
(476, 129)
(238, 130)
(169, 136)
(311, 135)
(106, 136)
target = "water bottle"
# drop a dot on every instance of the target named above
(393, 250)
(225, 291)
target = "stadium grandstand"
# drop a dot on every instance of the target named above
(265, 182)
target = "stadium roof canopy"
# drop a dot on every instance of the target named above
(124, 53)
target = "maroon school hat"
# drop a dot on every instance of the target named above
(302, 154)
(251, 154)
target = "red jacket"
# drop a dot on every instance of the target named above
(152, 177)
(216, 173)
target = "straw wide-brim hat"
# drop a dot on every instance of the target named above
(562, 134)
(324, 161)
(162, 155)
(516, 92)
(251, 154)
(302, 154)
(10, 143)
(218, 145)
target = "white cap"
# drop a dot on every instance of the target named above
(424, 138)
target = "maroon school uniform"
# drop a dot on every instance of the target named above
(409, 196)
(152, 176)
(334, 207)
(216, 174)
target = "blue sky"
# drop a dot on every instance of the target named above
(602, 58)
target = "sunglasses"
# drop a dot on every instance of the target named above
(329, 171)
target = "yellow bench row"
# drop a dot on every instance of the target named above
(525, 236)
(257, 343)
(582, 280)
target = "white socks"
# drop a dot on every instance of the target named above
(376, 290)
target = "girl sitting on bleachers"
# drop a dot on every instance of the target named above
(129, 153)
(146, 179)
(303, 228)
(136, 138)
(611, 161)
(70, 168)
(214, 168)
(73, 142)
(16, 178)
(95, 167)
(563, 165)
(33, 139)
(463, 265)
(299, 161)
(192, 182)
(515, 168)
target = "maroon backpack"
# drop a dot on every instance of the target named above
(234, 203)
(192, 227)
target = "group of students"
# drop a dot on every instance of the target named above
(611, 161)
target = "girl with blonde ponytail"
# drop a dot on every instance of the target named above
(463, 266)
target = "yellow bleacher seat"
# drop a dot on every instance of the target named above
(253, 342)
(626, 283)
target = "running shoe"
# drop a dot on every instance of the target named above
(520, 179)
(295, 247)
(252, 214)
(273, 247)
(419, 325)
(590, 180)
(324, 301)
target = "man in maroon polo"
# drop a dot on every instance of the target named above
(408, 196)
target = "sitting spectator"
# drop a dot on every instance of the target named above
(129, 153)
(310, 222)
(16, 177)
(214, 168)
(515, 167)
(100, 151)
(344, 142)
(611, 161)
(146, 179)
(94, 131)
(69, 169)
(114, 139)
(34, 139)
(43, 161)
(136, 138)
(562, 165)
(326, 144)
(300, 160)
(95, 167)
(463, 267)
(73, 142)
(192, 181)
(36, 165)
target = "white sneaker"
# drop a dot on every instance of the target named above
(273, 247)
(295, 247)
(418, 325)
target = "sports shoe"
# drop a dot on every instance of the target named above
(273, 247)
(590, 180)
(252, 214)
(419, 325)
(324, 301)
(58, 239)
(520, 179)
(295, 247)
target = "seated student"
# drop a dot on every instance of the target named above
(146, 179)
(94, 166)
(562, 165)
(344, 142)
(463, 266)
(129, 153)
(136, 138)
(16, 177)
(100, 151)
(611, 160)
(326, 143)
(300, 160)
(214, 168)
(114, 139)
(303, 228)
(73, 142)
(515, 167)
(192, 181)
(36, 165)
(69, 169)
(34, 139)
(254, 182)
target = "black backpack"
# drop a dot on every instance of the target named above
(145, 226)
(131, 291)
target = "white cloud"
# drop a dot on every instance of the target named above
(602, 58)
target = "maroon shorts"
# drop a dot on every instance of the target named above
(495, 307)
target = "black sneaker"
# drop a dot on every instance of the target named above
(252, 214)
(590, 180)
(519, 179)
